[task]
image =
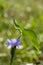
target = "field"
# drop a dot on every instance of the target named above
(23, 20)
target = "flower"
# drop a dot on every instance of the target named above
(13, 42)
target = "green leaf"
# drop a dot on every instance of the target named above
(31, 35)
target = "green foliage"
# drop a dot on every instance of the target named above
(28, 14)
(32, 37)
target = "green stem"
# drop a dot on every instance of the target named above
(18, 28)
(12, 54)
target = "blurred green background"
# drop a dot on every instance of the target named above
(29, 15)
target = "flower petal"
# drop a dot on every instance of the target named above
(8, 42)
(13, 42)
(18, 42)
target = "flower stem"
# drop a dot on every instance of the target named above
(12, 54)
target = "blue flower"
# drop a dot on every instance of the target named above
(12, 42)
